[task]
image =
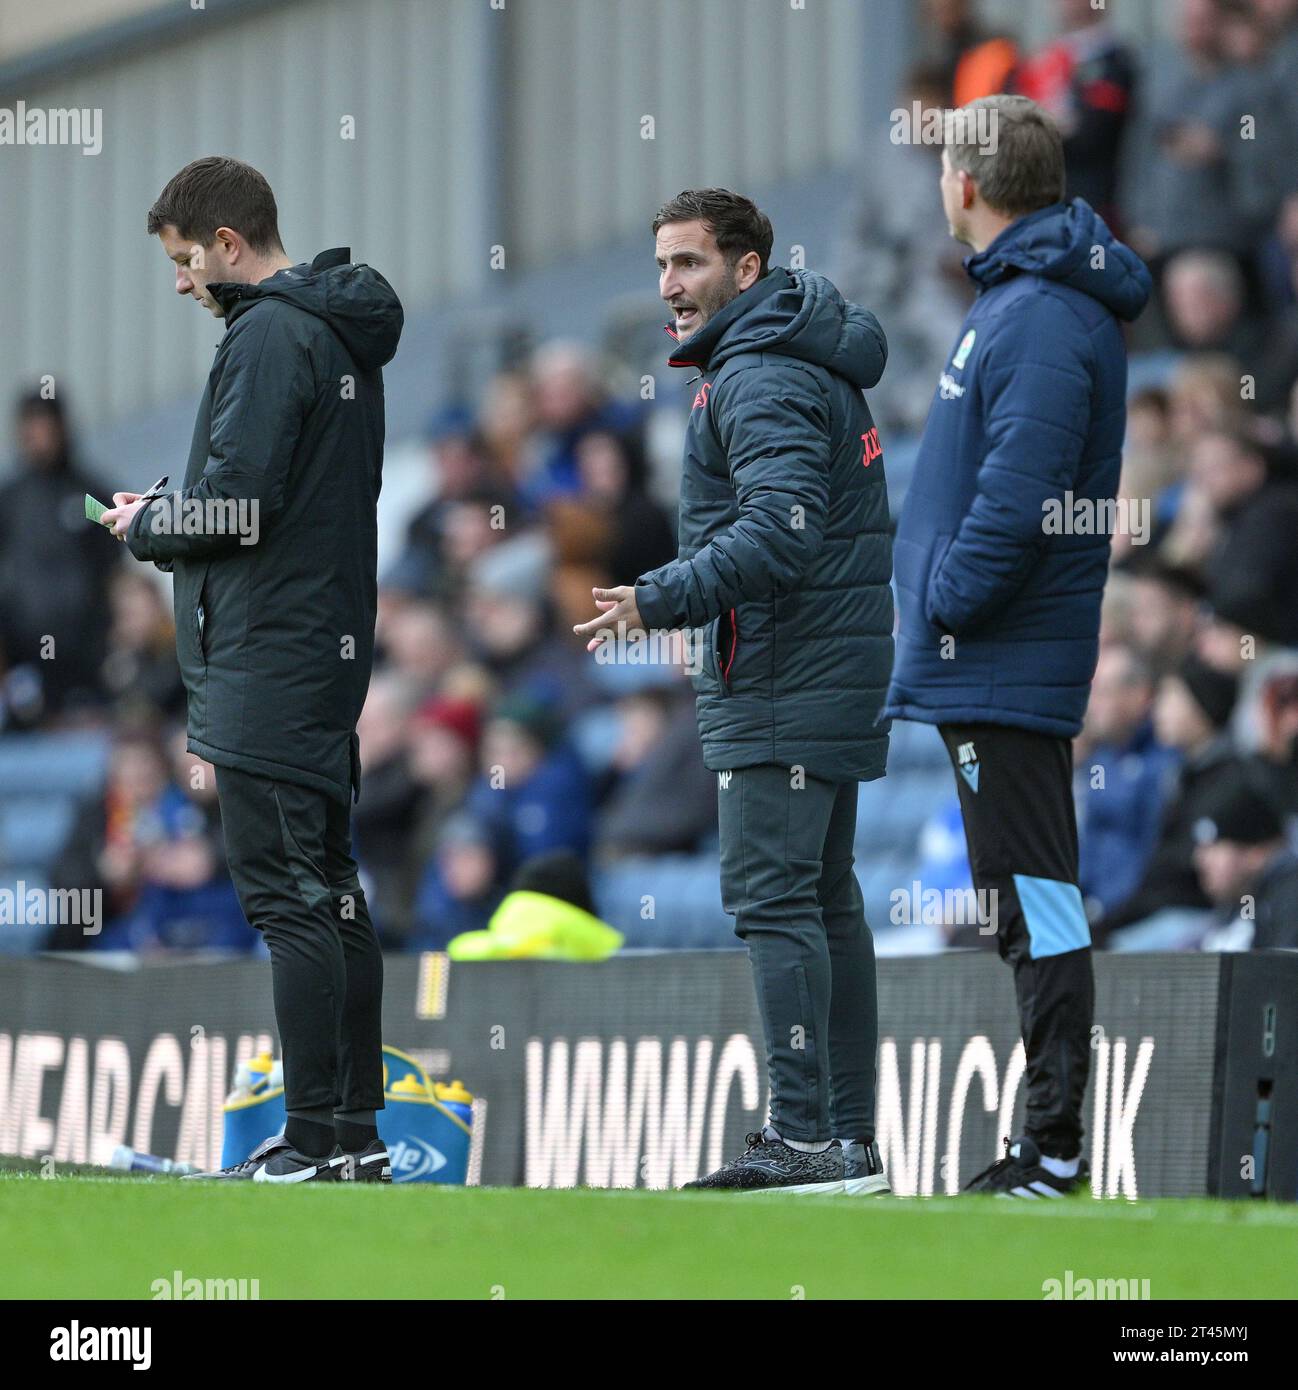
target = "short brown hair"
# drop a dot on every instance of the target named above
(217, 191)
(736, 222)
(1025, 170)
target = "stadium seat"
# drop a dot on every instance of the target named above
(687, 909)
(595, 735)
(915, 746)
(22, 938)
(73, 762)
(891, 811)
(43, 777)
(34, 829)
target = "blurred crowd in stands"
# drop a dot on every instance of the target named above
(491, 736)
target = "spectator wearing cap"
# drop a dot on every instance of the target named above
(1246, 867)
(1191, 713)
(1123, 777)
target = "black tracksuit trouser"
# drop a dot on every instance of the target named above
(1016, 795)
(289, 851)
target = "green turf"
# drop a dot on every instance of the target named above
(75, 1236)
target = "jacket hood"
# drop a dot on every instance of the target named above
(1058, 243)
(354, 300)
(797, 313)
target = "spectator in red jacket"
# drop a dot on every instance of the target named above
(1086, 79)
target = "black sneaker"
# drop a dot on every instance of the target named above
(1021, 1174)
(372, 1164)
(276, 1160)
(288, 1165)
(770, 1165)
(246, 1167)
(863, 1174)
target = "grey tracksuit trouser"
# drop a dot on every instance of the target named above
(787, 879)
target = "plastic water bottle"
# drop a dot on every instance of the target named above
(256, 1077)
(126, 1160)
(456, 1097)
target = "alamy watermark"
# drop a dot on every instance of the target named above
(951, 907)
(178, 515)
(655, 647)
(37, 125)
(73, 1342)
(1073, 1288)
(179, 1287)
(1097, 516)
(918, 124)
(21, 906)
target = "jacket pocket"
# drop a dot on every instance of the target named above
(726, 648)
(189, 582)
(932, 564)
(200, 619)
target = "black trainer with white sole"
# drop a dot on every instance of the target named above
(372, 1164)
(863, 1174)
(1020, 1173)
(770, 1165)
(244, 1169)
(276, 1160)
(288, 1165)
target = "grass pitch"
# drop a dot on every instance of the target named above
(81, 1236)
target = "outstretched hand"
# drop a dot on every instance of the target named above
(618, 607)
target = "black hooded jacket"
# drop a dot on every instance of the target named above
(273, 537)
(785, 556)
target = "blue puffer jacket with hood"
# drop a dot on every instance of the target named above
(999, 604)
